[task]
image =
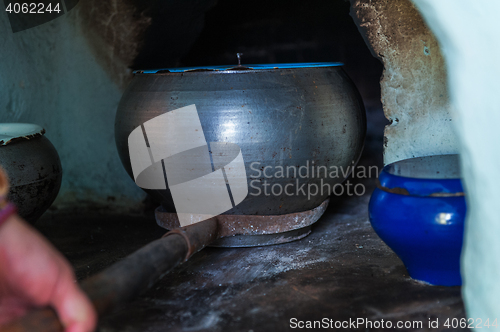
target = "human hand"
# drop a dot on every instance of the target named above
(33, 273)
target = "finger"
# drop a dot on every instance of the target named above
(75, 310)
(73, 307)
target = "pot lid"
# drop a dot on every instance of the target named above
(242, 67)
(437, 175)
(11, 132)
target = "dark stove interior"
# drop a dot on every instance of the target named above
(183, 34)
(341, 271)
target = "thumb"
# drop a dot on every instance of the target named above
(73, 307)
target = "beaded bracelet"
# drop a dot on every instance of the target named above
(8, 210)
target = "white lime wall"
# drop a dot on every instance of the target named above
(49, 76)
(413, 84)
(469, 34)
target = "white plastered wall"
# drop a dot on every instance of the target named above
(50, 76)
(413, 84)
(469, 35)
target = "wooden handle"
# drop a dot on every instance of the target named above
(129, 277)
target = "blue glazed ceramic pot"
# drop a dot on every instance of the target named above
(418, 210)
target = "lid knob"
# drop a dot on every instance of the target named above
(238, 55)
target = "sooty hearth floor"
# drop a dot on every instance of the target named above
(341, 271)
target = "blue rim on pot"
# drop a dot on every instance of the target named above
(268, 66)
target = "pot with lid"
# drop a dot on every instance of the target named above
(300, 127)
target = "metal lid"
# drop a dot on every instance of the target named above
(11, 132)
(242, 67)
(424, 176)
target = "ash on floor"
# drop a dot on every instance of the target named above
(341, 271)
